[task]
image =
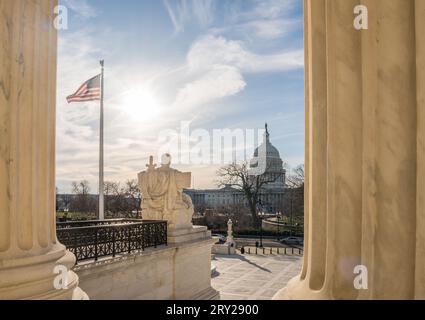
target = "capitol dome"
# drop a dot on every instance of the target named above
(271, 150)
(268, 154)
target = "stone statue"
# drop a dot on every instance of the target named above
(162, 194)
(229, 240)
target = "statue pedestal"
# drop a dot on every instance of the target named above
(229, 247)
(186, 260)
(224, 248)
(188, 234)
(179, 270)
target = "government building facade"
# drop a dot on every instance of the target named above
(272, 193)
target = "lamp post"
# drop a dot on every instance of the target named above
(291, 222)
(261, 215)
(278, 214)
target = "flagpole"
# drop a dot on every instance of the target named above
(101, 197)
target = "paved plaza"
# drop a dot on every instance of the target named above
(253, 277)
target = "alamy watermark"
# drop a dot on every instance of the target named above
(60, 21)
(361, 21)
(214, 147)
(60, 282)
(361, 279)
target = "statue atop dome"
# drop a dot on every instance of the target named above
(267, 131)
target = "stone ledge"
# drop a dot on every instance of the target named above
(188, 234)
(133, 256)
(156, 273)
(207, 294)
(223, 249)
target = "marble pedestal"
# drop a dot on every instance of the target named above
(180, 270)
(187, 234)
(223, 248)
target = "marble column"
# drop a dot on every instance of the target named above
(29, 250)
(365, 151)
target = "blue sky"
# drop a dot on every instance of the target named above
(214, 63)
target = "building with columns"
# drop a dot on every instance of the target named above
(215, 198)
(271, 195)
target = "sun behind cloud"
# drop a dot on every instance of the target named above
(215, 64)
(140, 104)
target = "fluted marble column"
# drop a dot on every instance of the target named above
(365, 151)
(29, 250)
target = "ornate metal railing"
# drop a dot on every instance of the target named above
(93, 239)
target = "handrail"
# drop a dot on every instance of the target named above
(109, 237)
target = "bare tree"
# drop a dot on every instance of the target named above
(294, 197)
(237, 176)
(82, 202)
(239, 214)
(112, 199)
(296, 178)
(133, 196)
(82, 187)
(122, 200)
(200, 208)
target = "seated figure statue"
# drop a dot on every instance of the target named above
(162, 194)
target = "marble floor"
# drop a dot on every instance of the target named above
(253, 277)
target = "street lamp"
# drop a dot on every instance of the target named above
(291, 221)
(278, 215)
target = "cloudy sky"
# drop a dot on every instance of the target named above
(206, 64)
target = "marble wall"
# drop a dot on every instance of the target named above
(365, 151)
(29, 250)
(178, 271)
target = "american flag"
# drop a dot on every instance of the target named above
(88, 91)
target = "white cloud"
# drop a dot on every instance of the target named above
(212, 50)
(271, 28)
(203, 10)
(271, 9)
(129, 138)
(216, 66)
(261, 19)
(182, 12)
(219, 82)
(270, 19)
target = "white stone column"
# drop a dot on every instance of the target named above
(29, 250)
(365, 151)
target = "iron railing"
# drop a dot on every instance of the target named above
(99, 238)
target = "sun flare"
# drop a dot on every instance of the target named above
(141, 104)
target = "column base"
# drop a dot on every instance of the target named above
(298, 289)
(32, 278)
(79, 294)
